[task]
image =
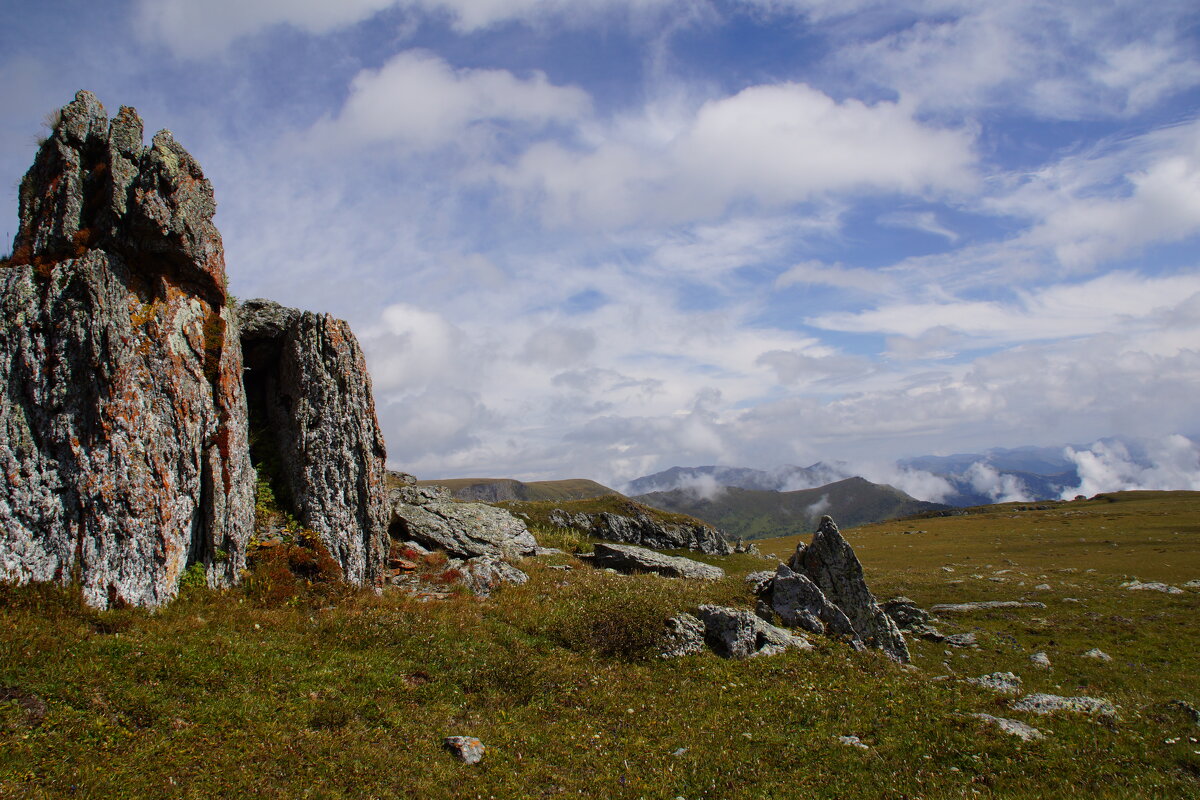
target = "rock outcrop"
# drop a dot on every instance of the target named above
(427, 515)
(630, 559)
(638, 527)
(800, 603)
(312, 417)
(830, 563)
(123, 454)
(736, 633)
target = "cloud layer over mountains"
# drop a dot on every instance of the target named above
(599, 238)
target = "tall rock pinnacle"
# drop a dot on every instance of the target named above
(123, 452)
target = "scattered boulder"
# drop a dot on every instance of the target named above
(1052, 703)
(639, 526)
(1013, 727)
(1040, 660)
(760, 582)
(312, 414)
(123, 436)
(1097, 654)
(1195, 585)
(466, 749)
(1002, 682)
(684, 636)
(428, 515)
(736, 633)
(1187, 708)
(960, 640)
(853, 741)
(484, 574)
(983, 605)
(830, 563)
(904, 612)
(800, 604)
(1137, 586)
(627, 558)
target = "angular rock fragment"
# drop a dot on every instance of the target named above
(1040, 660)
(1097, 654)
(830, 563)
(466, 749)
(313, 415)
(736, 633)
(1051, 703)
(904, 612)
(629, 559)
(123, 453)
(428, 515)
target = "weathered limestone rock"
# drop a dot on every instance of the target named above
(830, 563)
(735, 633)
(1002, 682)
(800, 603)
(640, 528)
(428, 515)
(627, 558)
(904, 612)
(983, 605)
(484, 574)
(1154, 586)
(1040, 660)
(1051, 703)
(313, 415)
(466, 749)
(1012, 727)
(123, 455)
(684, 636)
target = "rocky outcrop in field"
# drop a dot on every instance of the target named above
(123, 457)
(313, 415)
(640, 528)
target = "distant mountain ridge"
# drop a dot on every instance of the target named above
(765, 514)
(500, 490)
(781, 479)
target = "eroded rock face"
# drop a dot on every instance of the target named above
(313, 414)
(830, 563)
(123, 453)
(800, 603)
(736, 633)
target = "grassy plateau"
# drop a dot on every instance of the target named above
(322, 693)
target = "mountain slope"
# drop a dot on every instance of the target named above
(499, 490)
(757, 514)
(779, 479)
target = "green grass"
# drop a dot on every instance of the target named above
(220, 694)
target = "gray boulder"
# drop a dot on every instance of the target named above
(1002, 682)
(736, 633)
(1154, 586)
(983, 605)
(428, 515)
(800, 604)
(484, 574)
(123, 437)
(313, 417)
(630, 559)
(1012, 727)
(637, 526)
(830, 563)
(905, 613)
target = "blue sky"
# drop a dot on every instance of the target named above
(598, 238)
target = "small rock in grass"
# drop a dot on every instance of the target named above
(1040, 660)
(947, 569)
(685, 636)
(983, 605)
(467, 749)
(1188, 709)
(1042, 587)
(1050, 703)
(853, 741)
(1003, 682)
(1192, 584)
(961, 640)
(1097, 654)
(1026, 733)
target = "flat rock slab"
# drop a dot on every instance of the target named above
(983, 605)
(1052, 703)
(1002, 682)
(1013, 727)
(629, 558)
(1154, 586)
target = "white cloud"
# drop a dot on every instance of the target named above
(818, 273)
(420, 101)
(1169, 462)
(988, 481)
(774, 146)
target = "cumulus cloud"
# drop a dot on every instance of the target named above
(772, 145)
(987, 480)
(817, 273)
(1170, 462)
(418, 100)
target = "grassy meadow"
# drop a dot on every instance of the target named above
(348, 695)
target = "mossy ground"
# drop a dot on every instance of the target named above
(225, 694)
